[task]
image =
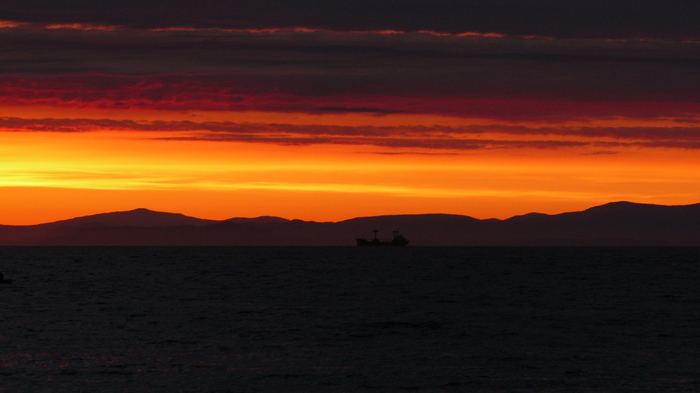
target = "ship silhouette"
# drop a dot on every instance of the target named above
(398, 240)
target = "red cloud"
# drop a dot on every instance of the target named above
(260, 93)
(433, 137)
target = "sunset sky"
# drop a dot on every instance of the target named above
(325, 111)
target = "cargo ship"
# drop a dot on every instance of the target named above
(398, 240)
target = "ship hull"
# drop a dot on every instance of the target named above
(374, 243)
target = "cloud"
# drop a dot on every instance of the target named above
(396, 137)
(182, 92)
(563, 18)
(328, 63)
(322, 71)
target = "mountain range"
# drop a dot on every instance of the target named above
(612, 224)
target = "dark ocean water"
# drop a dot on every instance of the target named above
(344, 319)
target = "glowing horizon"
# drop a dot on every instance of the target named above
(309, 123)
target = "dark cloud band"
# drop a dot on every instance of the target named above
(328, 95)
(298, 64)
(670, 19)
(420, 137)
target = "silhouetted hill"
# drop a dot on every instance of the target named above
(617, 223)
(133, 218)
(612, 224)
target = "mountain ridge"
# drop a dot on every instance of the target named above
(612, 224)
(140, 217)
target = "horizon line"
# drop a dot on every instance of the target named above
(342, 220)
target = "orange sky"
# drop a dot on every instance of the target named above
(478, 137)
(49, 176)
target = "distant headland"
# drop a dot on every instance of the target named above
(612, 224)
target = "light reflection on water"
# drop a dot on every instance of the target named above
(349, 319)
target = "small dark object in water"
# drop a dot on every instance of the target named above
(2, 279)
(398, 240)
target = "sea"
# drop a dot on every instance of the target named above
(350, 319)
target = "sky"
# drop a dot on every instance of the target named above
(325, 111)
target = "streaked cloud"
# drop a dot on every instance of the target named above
(491, 76)
(415, 137)
(184, 92)
(108, 64)
(563, 18)
(40, 50)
